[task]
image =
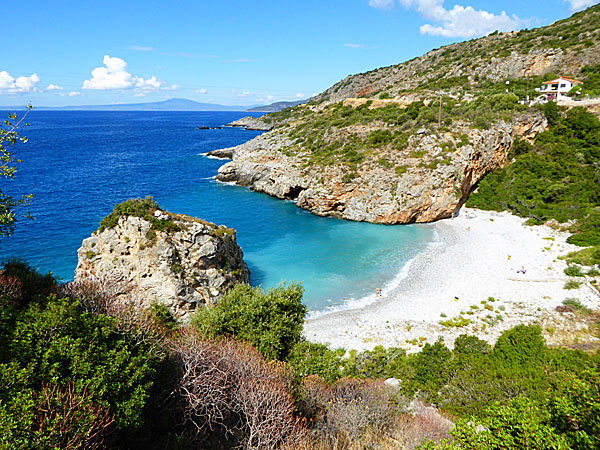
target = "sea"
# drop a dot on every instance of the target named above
(79, 164)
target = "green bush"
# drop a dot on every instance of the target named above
(136, 207)
(309, 358)
(269, 320)
(54, 354)
(574, 271)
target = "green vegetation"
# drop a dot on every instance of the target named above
(9, 136)
(575, 305)
(329, 135)
(139, 207)
(556, 178)
(67, 375)
(86, 370)
(271, 321)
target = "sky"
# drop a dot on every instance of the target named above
(238, 52)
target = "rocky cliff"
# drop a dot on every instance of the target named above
(177, 260)
(426, 180)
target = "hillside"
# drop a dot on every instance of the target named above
(410, 142)
(564, 47)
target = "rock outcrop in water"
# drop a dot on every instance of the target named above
(439, 172)
(191, 263)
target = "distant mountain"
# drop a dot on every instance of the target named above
(276, 107)
(173, 104)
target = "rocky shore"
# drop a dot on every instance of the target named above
(251, 123)
(439, 172)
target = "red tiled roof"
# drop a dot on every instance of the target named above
(563, 78)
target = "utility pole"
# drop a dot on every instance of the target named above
(440, 112)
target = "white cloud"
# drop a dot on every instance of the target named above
(460, 21)
(141, 48)
(354, 46)
(18, 85)
(54, 87)
(201, 91)
(74, 94)
(382, 4)
(299, 95)
(245, 94)
(578, 5)
(174, 87)
(115, 76)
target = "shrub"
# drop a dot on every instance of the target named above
(309, 358)
(53, 418)
(33, 286)
(230, 389)
(271, 321)
(572, 284)
(137, 207)
(522, 345)
(574, 271)
(575, 305)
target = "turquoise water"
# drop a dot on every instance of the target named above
(79, 164)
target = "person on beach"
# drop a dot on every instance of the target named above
(455, 298)
(523, 271)
(378, 292)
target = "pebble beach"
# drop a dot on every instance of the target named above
(470, 280)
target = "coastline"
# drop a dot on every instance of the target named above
(470, 262)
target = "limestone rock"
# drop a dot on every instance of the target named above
(251, 123)
(190, 266)
(435, 184)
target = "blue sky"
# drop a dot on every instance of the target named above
(74, 52)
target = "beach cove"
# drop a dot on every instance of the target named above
(470, 271)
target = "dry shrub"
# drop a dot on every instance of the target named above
(11, 290)
(348, 412)
(315, 395)
(412, 430)
(68, 420)
(229, 388)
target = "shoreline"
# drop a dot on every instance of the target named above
(471, 262)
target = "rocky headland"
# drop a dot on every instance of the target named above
(427, 180)
(251, 123)
(177, 260)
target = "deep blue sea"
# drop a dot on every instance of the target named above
(80, 164)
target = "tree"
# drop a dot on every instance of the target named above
(9, 136)
(269, 320)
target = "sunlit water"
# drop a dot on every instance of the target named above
(79, 165)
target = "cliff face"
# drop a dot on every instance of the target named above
(426, 181)
(191, 265)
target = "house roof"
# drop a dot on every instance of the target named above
(556, 80)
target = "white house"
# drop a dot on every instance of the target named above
(558, 88)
